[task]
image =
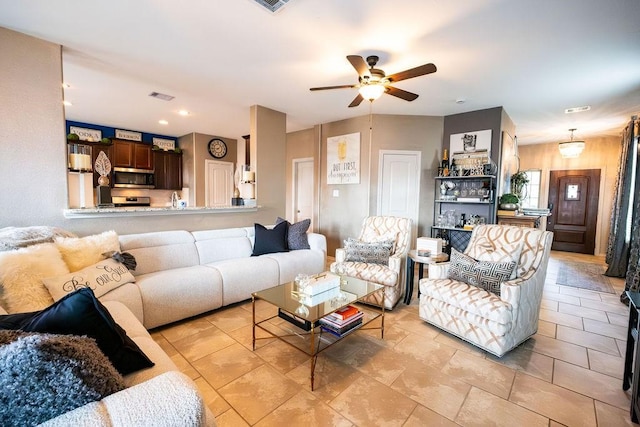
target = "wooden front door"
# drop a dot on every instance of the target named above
(573, 199)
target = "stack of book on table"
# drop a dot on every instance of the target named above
(343, 321)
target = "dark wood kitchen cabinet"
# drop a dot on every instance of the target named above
(168, 170)
(127, 154)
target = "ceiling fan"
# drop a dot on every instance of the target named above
(373, 82)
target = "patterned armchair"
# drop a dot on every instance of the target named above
(380, 229)
(495, 323)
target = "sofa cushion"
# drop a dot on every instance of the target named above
(21, 274)
(219, 245)
(81, 252)
(101, 277)
(483, 274)
(270, 240)
(80, 313)
(297, 234)
(160, 251)
(374, 253)
(43, 376)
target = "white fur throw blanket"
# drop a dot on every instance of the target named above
(21, 237)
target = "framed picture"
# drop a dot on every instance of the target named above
(165, 144)
(470, 142)
(343, 159)
(89, 135)
(509, 163)
(129, 134)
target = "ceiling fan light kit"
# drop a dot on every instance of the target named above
(571, 149)
(373, 82)
(371, 91)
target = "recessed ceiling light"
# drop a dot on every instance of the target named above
(577, 109)
(67, 103)
(184, 112)
(460, 101)
(163, 122)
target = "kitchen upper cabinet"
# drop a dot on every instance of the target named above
(168, 170)
(127, 154)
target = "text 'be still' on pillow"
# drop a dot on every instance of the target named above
(101, 277)
(268, 241)
(80, 313)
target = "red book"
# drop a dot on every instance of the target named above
(345, 312)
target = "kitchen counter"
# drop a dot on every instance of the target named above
(151, 211)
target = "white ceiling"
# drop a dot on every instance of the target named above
(533, 57)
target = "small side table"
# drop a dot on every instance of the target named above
(631, 360)
(412, 259)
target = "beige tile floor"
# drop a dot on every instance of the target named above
(569, 373)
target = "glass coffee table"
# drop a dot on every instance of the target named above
(297, 321)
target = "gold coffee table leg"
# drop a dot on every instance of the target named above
(253, 336)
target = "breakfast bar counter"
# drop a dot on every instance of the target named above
(152, 211)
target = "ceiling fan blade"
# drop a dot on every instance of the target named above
(407, 96)
(333, 87)
(356, 101)
(360, 65)
(413, 72)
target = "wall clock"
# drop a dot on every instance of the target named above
(217, 148)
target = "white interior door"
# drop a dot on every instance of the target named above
(399, 185)
(218, 185)
(303, 189)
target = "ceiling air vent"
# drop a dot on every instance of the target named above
(162, 96)
(272, 5)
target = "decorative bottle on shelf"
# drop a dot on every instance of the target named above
(445, 163)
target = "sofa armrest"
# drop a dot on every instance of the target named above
(317, 242)
(168, 399)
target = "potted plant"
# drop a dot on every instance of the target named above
(518, 182)
(509, 202)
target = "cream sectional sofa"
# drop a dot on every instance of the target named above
(180, 274)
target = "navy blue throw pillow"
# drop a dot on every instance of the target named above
(269, 241)
(80, 313)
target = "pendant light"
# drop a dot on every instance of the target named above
(571, 149)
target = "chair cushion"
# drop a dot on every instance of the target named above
(373, 253)
(468, 301)
(483, 274)
(376, 273)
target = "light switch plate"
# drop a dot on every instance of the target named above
(336, 193)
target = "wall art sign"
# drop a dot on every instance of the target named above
(89, 135)
(343, 159)
(129, 134)
(165, 144)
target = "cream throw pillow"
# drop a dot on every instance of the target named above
(21, 274)
(101, 277)
(81, 252)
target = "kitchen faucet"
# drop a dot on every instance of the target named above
(174, 199)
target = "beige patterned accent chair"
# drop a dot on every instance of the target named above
(495, 323)
(376, 229)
